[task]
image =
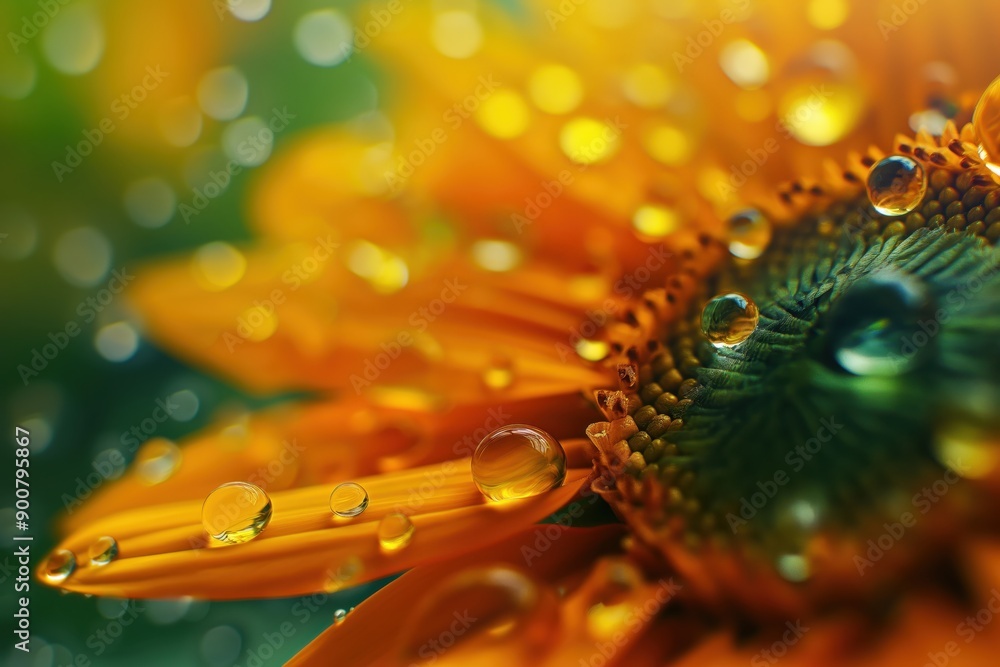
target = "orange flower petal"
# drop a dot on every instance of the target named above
(164, 551)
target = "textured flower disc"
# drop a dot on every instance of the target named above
(823, 429)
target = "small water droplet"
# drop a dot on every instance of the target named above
(339, 616)
(236, 512)
(395, 531)
(749, 234)
(874, 327)
(103, 550)
(518, 461)
(896, 185)
(969, 449)
(610, 603)
(157, 460)
(58, 566)
(729, 319)
(592, 350)
(986, 121)
(348, 499)
(343, 575)
(794, 567)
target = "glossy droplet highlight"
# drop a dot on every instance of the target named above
(348, 499)
(986, 121)
(896, 185)
(236, 512)
(518, 461)
(395, 531)
(749, 234)
(339, 616)
(58, 566)
(103, 550)
(874, 328)
(614, 582)
(158, 459)
(729, 319)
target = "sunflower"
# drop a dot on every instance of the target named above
(725, 268)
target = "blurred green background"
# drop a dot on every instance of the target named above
(63, 69)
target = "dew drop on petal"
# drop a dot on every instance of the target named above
(728, 319)
(896, 185)
(749, 234)
(58, 566)
(157, 460)
(610, 606)
(395, 531)
(348, 499)
(236, 512)
(339, 616)
(518, 461)
(103, 550)
(868, 326)
(986, 121)
(343, 574)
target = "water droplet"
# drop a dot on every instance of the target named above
(555, 89)
(157, 460)
(729, 319)
(518, 461)
(970, 450)
(873, 327)
(588, 141)
(343, 575)
(339, 616)
(610, 604)
(749, 234)
(592, 350)
(395, 531)
(58, 566)
(348, 499)
(986, 121)
(821, 111)
(499, 374)
(103, 550)
(794, 567)
(514, 617)
(655, 221)
(896, 185)
(236, 512)
(117, 342)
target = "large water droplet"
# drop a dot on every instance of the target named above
(514, 618)
(58, 566)
(395, 531)
(749, 234)
(236, 512)
(896, 185)
(518, 461)
(874, 327)
(986, 121)
(103, 550)
(348, 499)
(729, 319)
(157, 461)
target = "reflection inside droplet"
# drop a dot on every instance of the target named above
(518, 461)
